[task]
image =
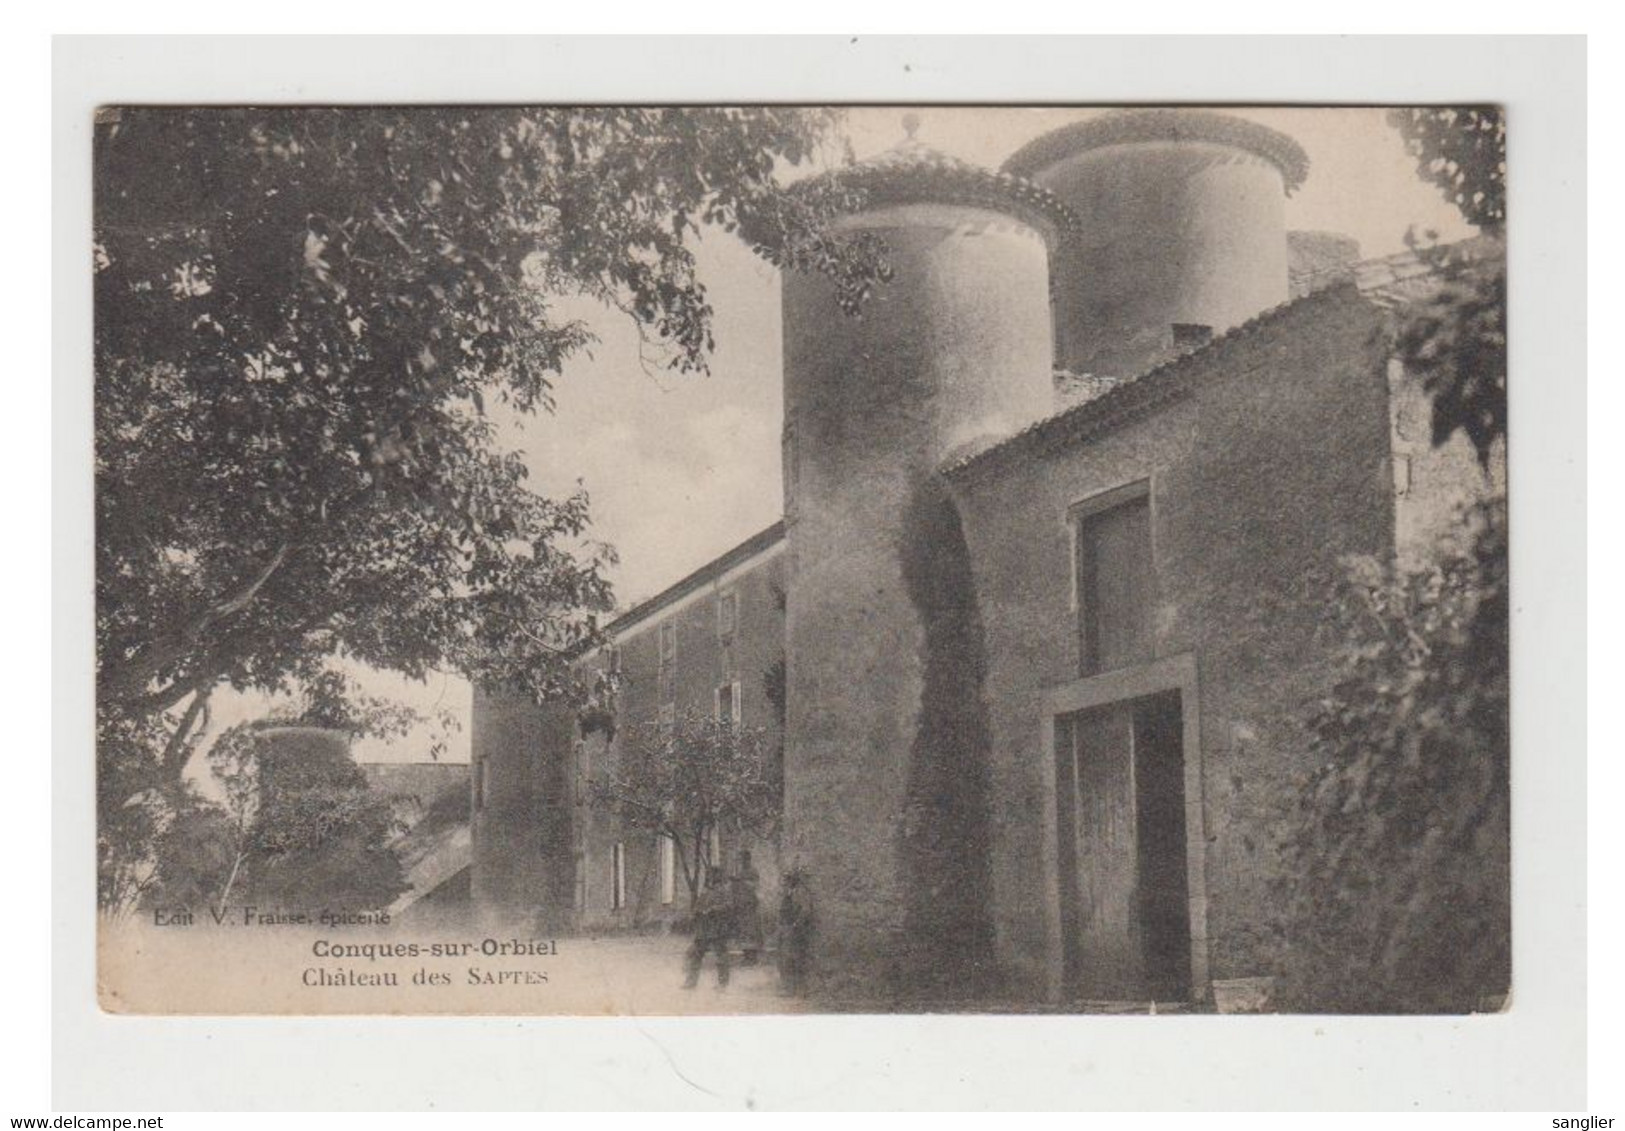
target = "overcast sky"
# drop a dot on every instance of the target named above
(680, 468)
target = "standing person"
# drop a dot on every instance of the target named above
(797, 923)
(713, 924)
(748, 909)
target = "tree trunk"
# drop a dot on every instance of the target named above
(676, 839)
(177, 752)
(225, 892)
(129, 679)
(698, 878)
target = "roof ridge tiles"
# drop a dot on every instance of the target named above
(1164, 123)
(1135, 394)
(915, 173)
(1372, 279)
(757, 543)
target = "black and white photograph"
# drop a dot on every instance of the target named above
(768, 558)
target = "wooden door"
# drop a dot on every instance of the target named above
(1106, 951)
(1164, 893)
(1124, 898)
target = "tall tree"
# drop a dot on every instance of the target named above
(304, 319)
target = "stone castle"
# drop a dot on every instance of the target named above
(1063, 505)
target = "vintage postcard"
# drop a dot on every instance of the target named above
(656, 560)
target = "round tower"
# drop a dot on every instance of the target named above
(522, 872)
(1316, 260)
(882, 638)
(299, 743)
(1181, 230)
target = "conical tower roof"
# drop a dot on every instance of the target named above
(912, 172)
(1129, 127)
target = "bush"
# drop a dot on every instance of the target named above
(1396, 878)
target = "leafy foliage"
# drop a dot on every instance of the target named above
(155, 828)
(194, 856)
(774, 685)
(334, 700)
(1455, 341)
(1462, 150)
(136, 801)
(1395, 894)
(301, 316)
(299, 828)
(305, 320)
(685, 779)
(597, 714)
(1455, 338)
(1401, 896)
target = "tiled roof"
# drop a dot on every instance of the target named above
(1398, 278)
(913, 173)
(423, 780)
(1132, 397)
(1387, 282)
(1127, 127)
(707, 573)
(1071, 388)
(1383, 281)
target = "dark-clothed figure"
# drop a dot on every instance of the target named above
(797, 923)
(747, 909)
(713, 926)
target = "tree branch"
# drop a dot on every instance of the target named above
(176, 750)
(243, 597)
(529, 635)
(127, 680)
(609, 793)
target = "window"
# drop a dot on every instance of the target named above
(1115, 579)
(727, 632)
(615, 659)
(581, 773)
(728, 705)
(1191, 335)
(727, 615)
(713, 850)
(668, 870)
(617, 876)
(792, 470)
(668, 661)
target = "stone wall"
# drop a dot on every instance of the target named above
(1176, 232)
(880, 631)
(414, 787)
(1432, 483)
(522, 871)
(542, 852)
(758, 586)
(1317, 260)
(1268, 460)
